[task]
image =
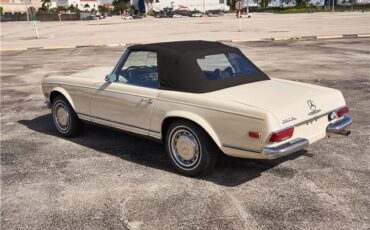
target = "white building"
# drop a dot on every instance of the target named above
(80, 4)
(201, 5)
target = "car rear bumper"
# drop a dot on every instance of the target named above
(286, 148)
(340, 126)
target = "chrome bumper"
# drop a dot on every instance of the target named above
(46, 105)
(285, 149)
(339, 126)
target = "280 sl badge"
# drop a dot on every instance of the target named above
(289, 119)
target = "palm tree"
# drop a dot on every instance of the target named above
(72, 8)
(303, 3)
(288, 2)
(103, 9)
(45, 5)
(86, 6)
(264, 3)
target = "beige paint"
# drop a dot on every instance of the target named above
(226, 115)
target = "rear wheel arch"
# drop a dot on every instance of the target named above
(195, 119)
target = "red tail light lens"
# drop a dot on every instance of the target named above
(343, 111)
(282, 135)
(254, 134)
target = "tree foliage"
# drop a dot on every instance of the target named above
(264, 3)
(61, 9)
(103, 9)
(121, 5)
(45, 6)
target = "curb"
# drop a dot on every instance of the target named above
(303, 38)
(294, 38)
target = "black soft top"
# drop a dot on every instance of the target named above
(178, 68)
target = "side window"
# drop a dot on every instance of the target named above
(140, 69)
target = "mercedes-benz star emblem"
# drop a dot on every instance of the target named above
(311, 105)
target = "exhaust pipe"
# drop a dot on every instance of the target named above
(344, 132)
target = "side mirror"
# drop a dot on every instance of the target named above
(110, 78)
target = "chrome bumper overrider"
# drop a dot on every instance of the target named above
(339, 126)
(46, 105)
(287, 148)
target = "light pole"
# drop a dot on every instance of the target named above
(28, 18)
(247, 7)
(333, 6)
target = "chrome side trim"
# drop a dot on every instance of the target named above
(75, 85)
(286, 148)
(340, 125)
(120, 123)
(241, 148)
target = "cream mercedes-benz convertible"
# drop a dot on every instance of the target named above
(200, 98)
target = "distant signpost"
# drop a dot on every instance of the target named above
(33, 18)
(239, 6)
(60, 17)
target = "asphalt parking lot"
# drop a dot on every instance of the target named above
(105, 179)
(114, 30)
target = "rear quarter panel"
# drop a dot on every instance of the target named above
(227, 123)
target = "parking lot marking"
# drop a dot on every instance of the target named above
(363, 35)
(329, 36)
(58, 47)
(317, 37)
(13, 49)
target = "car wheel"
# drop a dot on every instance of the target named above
(190, 149)
(65, 119)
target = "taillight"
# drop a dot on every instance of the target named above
(254, 134)
(282, 135)
(343, 111)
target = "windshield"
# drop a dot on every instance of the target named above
(226, 65)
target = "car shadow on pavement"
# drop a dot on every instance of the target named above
(228, 172)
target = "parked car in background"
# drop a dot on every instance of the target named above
(167, 12)
(214, 13)
(201, 99)
(127, 17)
(136, 16)
(177, 16)
(91, 17)
(245, 15)
(195, 14)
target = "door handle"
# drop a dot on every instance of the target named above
(147, 100)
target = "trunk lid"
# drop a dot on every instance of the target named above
(290, 102)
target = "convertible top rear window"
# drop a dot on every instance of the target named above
(225, 65)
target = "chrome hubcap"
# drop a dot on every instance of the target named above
(185, 148)
(61, 116)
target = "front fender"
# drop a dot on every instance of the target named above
(199, 121)
(64, 93)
